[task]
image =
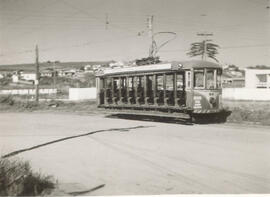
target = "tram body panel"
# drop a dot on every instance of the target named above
(192, 87)
(204, 101)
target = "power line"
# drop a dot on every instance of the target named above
(226, 47)
(98, 19)
(23, 17)
(67, 46)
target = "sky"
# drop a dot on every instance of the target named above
(76, 30)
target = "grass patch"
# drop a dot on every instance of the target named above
(11, 103)
(18, 179)
(246, 115)
(254, 112)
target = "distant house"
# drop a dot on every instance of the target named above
(118, 64)
(257, 77)
(28, 75)
(4, 74)
(25, 77)
(15, 78)
(88, 67)
(96, 67)
(48, 73)
(67, 73)
(233, 77)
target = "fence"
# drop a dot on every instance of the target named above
(253, 94)
(27, 91)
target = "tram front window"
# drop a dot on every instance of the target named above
(199, 78)
(210, 83)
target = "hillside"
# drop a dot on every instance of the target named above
(45, 65)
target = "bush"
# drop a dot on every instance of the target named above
(17, 179)
(7, 99)
(257, 116)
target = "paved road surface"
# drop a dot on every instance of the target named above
(144, 158)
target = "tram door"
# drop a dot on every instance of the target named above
(101, 89)
(180, 89)
(140, 89)
(160, 89)
(116, 89)
(149, 88)
(108, 90)
(169, 94)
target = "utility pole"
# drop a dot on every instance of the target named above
(205, 40)
(150, 21)
(107, 21)
(54, 75)
(37, 76)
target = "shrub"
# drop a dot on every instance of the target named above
(7, 99)
(18, 179)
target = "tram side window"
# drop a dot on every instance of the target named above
(169, 82)
(179, 81)
(116, 84)
(210, 83)
(199, 78)
(149, 79)
(219, 72)
(130, 83)
(108, 83)
(160, 82)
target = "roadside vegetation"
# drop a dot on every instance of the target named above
(240, 115)
(11, 103)
(18, 179)
(242, 112)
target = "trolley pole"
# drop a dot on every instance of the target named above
(150, 21)
(37, 75)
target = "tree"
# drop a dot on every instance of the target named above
(204, 49)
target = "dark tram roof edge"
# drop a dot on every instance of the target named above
(198, 64)
(163, 66)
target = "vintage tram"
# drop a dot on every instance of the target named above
(192, 87)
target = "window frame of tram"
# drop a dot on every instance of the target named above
(208, 78)
(159, 89)
(123, 87)
(149, 89)
(169, 87)
(140, 89)
(180, 89)
(116, 89)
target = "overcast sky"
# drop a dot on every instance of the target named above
(75, 30)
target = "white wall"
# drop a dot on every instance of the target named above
(28, 91)
(251, 79)
(254, 94)
(76, 94)
(28, 76)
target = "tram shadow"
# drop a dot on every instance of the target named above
(152, 118)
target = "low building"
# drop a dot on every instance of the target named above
(28, 75)
(48, 73)
(257, 77)
(15, 78)
(232, 81)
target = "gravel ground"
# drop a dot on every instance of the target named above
(140, 157)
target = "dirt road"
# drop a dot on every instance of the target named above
(140, 157)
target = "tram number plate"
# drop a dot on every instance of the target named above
(197, 102)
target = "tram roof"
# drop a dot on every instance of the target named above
(170, 66)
